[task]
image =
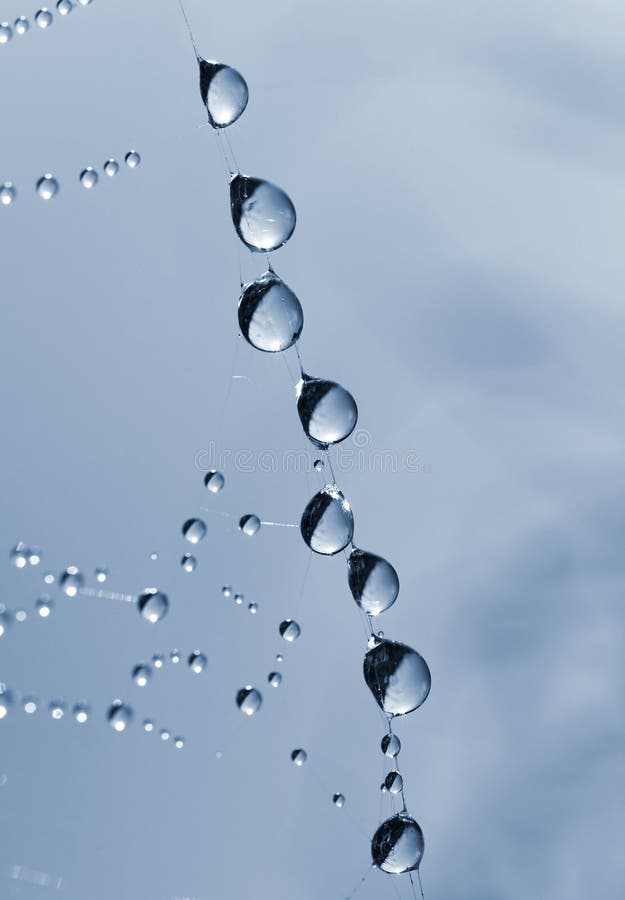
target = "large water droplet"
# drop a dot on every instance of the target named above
(64, 7)
(372, 580)
(89, 178)
(47, 187)
(193, 530)
(224, 93)
(249, 700)
(132, 159)
(197, 662)
(214, 481)
(111, 167)
(21, 25)
(397, 676)
(43, 17)
(391, 745)
(327, 523)
(338, 800)
(397, 845)
(249, 524)
(8, 193)
(394, 783)
(71, 581)
(119, 715)
(142, 675)
(327, 411)
(263, 215)
(299, 757)
(270, 315)
(153, 605)
(289, 630)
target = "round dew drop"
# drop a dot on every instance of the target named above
(224, 93)
(132, 159)
(249, 700)
(194, 530)
(397, 845)
(270, 315)
(43, 18)
(197, 662)
(89, 178)
(338, 800)
(214, 481)
(71, 581)
(188, 562)
(249, 524)
(299, 757)
(289, 630)
(327, 524)
(391, 745)
(8, 191)
(119, 716)
(372, 580)
(153, 605)
(47, 187)
(327, 411)
(111, 167)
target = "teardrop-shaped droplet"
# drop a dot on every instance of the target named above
(319, 465)
(249, 524)
(153, 605)
(372, 580)
(119, 715)
(327, 524)
(270, 315)
(263, 215)
(214, 481)
(43, 18)
(274, 679)
(193, 530)
(111, 167)
(327, 411)
(71, 581)
(224, 92)
(197, 662)
(188, 562)
(394, 783)
(89, 178)
(391, 745)
(397, 676)
(397, 846)
(289, 630)
(21, 25)
(8, 192)
(338, 800)
(47, 187)
(142, 675)
(299, 757)
(249, 700)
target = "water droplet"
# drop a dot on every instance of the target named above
(101, 574)
(34, 556)
(226, 590)
(319, 465)
(21, 25)
(119, 715)
(43, 17)
(153, 605)
(6, 33)
(299, 757)
(21, 615)
(193, 530)
(327, 411)
(142, 675)
(275, 679)
(148, 725)
(197, 662)
(57, 709)
(158, 660)
(8, 193)
(165, 734)
(391, 745)
(249, 524)
(397, 676)
(214, 481)
(85, 2)
(153, 556)
(111, 167)
(64, 7)
(279, 657)
(81, 713)
(372, 580)
(19, 555)
(5, 622)
(270, 315)
(327, 524)
(338, 800)
(175, 656)
(71, 581)
(289, 630)
(263, 215)
(179, 743)
(29, 705)
(249, 700)
(224, 93)
(49, 578)
(132, 159)
(397, 845)
(394, 783)
(47, 187)
(188, 562)
(89, 177)
(6, 702)
(238, 599)
(253, 608)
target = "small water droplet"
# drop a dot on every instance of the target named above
(21, 25)
(397, 845)
(174, 656)
(111, 167)
(49, 578)
(178, 743)
(71, 581)
(29, 705)
(43, 17)
(391, 745)
(263, 215)
(101, 574)
(89, 178)
(274, 679)
(327, 524)
(249, 700)
(249, 524)
(214, 481)
(153, 605)
(44, 606)
(253, 608)
(226, 590)
(224, 93)
(8, 193)
(327, 411)
(193, 530)
(47, 187)
(188, 562)
(299, 757)
(148, 725)
(394, 783)
(142, 675)
(6, 701)
(57, 709)
(64, 7)
(5, 622)
(319, 465)
(153, 556)
(289, 630)
(338, 800)
(19, 555)
(197, 662)
(34, 556)
(279, 657)
(81, 713)
(238, 599)
(132, 159)
(158, 660)
(119, 715)
(21, 615)
(270, 315)
(165, 734)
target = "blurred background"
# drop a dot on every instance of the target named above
(458, 175)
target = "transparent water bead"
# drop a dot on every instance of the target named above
(30, 705)
(132, 159)
(327, 523)
(148, 725)
(270, 315)
(226, 590)
(327, 411)
(178, 743)
(197, 662)
(85, 2)
(19, 555)
(81, 713)
(249, 524)
(47, 187)
(43, 17)
(214, 481)
(119, 715)
(274, 679)
(194, 530)
(263, 215)
(188, 562)
(153, 605)
(64, 7)
(165, 734)
(8, 193)
(174, 656)
(299, 757)
(224, 92)
(6, 702)
(111, 167)
(5, 622)
(6, 32)
(252, 608)
(21, 615)
(289, 630)
(57, 709)
(372, 580)
(101, 574)
(319, 465)
(238, 599)
(71, 581)
(397, 676)
(34, 556)
(158, 660)
(397, 846)
(391, 745)
(279, 657)
(21, 25)
(338, 800)
(142, 675)
(49, 578)
(394, 783)
(89, 177)
(249, 700)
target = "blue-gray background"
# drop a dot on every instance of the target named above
(458, 174)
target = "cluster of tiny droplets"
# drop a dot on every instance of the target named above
(43, 18)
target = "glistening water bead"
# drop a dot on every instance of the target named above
(47, 187)
(249, 524)
(64, 7)
(71, 581)
(327, 523)
(224, 92)
(327, 411)
(397, 846)
(153, 605)
(111, 167)
(21, 25)
(214, 481)
(299, 757)
(270, 315)
(391, 745)
(397, 676)
(249, 700)
(81, 713)
(197, 662)
(372, 580)
(142, 675)
(289, 630)
(6, 32)
(8, 193)
(274, 679)
(89, 178)
(188, 562)
(394, 783)
(132, 159)
(194, 530)
(119, 715)
(263, 215)
(43, 18)
(338, 800)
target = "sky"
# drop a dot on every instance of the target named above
(457, 174)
